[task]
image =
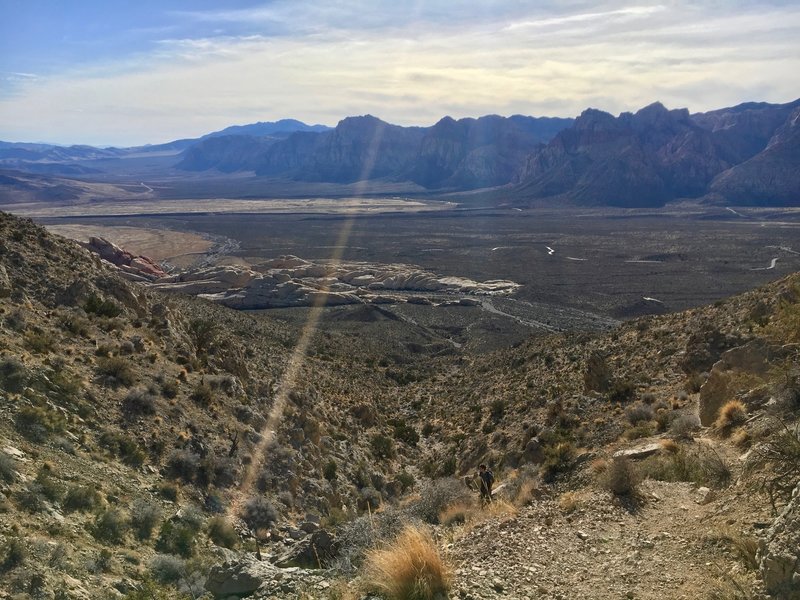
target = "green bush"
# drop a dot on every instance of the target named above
(699, 464)
(405, 433)
(437, 495)
(622, 390)
(382, 446)
(39, 343)
(124, 447)
(15, 553)
(329, 470)
(102, 308)
(176, 538)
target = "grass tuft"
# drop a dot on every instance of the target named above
(410, 568)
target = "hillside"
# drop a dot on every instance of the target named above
(148, 440)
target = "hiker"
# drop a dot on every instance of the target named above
(487, 479)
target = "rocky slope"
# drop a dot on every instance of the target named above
(148, 440)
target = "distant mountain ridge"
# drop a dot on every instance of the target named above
(747, 154)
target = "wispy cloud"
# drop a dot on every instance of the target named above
(412, 64)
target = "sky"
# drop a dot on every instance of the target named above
(129, 72)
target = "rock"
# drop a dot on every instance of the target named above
(704, 496)
(597, 377)
(639, 452)
(141, 266)
(312, 552)
(779, 553)
(533, 452)
(239, 577)
(754, 357)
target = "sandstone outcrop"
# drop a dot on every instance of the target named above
(291, 281)
(136, 268)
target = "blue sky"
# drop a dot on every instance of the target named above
(130, 72)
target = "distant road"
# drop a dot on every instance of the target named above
(147, 187)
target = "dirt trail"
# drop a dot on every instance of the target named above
(667, 545)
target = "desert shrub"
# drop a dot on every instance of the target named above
(773, 466)
(203, 333)
(622, 390)
(168, 491)
(30, 498)
(176, 538)
(202, 394)
(15, 553)
(558, 458)
(139, 401)
(435, 496)
(81, 497)
(144, 517)
(456, 514)
(369, 499)
(259, 513)
(404, 432)
(222, 533)
(639, 413)
(183, 464)
(123, 446)
(695, 382)
(48, 485)
(497, 409)
(732, 414)
(13, 375)
(38, 423)
(701, 465)
(359, 535)
(39, 343)
(169, 388)
(620, 477)
(166, 568)
(406, 480)
(103, 308)
(329, 470)
(116, 371)
(382, 446)
(8, 471)
(410, 568)
(74, 323)
(221, 471)
(110, 526)
(683, 426)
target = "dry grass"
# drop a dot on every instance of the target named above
(670, 446)
(410, 568)
(741, 439)
(501, 508)
(568, 502)
(527, 492)
(732, 414)
(456, 514)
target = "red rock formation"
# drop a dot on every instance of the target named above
(136, 266)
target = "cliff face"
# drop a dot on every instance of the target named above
(463, 154)
(771, 177)
(641, 159)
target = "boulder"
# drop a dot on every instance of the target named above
(311, 553)
(779, 552)
(638, 452)
(753, 358)
(136, 265)
(239, 577)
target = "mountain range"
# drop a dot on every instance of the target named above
(743, 155)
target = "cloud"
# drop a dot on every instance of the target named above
(414, 65)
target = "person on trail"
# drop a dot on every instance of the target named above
(487, 480)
